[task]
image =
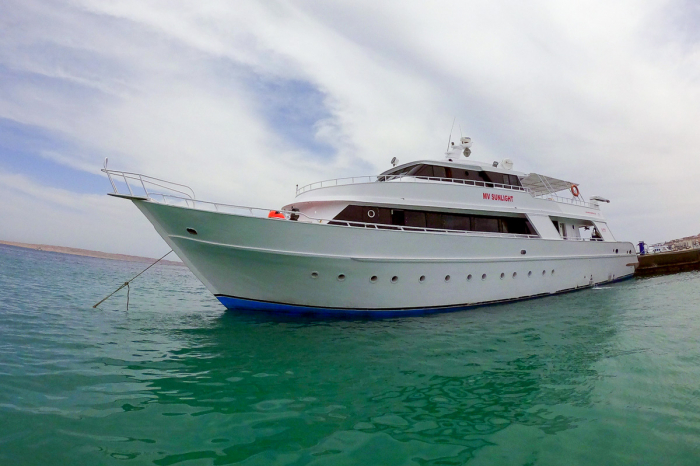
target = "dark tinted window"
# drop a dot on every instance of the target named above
(439, 172)
(433, 220)
(424, 170)
(459, 174)
(456, 222)
(376, 215)
(352, 213)
(514, 180)
(516, 225)
(414, 219)
(493, 177)
(397, 217)
(489, 224)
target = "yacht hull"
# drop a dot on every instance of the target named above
(285, 266)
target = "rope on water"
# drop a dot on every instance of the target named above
(126, 283)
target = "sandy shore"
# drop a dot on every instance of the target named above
(88, 253)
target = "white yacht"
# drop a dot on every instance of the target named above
(425, 236)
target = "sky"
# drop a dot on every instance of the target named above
(244, 100)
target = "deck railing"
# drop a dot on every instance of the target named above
(566, 200)
(183, 198)
(189, 201)
(289, 214)
(399, 178)
(143, 182)
(412, 178)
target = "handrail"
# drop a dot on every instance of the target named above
(485, 184)
(144, 180)
(263, 213)
(382, 178)
(565, 200)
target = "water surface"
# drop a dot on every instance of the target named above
(602, 376)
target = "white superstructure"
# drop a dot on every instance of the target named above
(428, 235)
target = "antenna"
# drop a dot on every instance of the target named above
(460, 131)
(450, 138)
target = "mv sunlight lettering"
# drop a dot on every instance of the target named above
(498, 197)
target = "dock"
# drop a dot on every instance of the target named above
(663, 263)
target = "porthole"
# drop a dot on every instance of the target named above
(503, 276)
(515, 274)
(544, 272)
(522, 251)
(314, 274)
(447, 278)
(394, 279)
(370, 213)
(529, 274)
(341, 277)
(469, 277)
(422, 278)
(373, 279)
(483, 277)
(552, 271)
(616, 250)
(191, 231)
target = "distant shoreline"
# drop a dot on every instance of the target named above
(88, 253)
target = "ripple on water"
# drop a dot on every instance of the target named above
(604, 376)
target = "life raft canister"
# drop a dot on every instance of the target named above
(574, 190)
(275, 214)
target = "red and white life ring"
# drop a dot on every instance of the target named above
(574, 190)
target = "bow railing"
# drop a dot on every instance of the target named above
(140, 184)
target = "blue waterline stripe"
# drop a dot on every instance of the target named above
(235, 303)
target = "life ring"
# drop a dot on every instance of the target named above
(275, 214)
(574, 190)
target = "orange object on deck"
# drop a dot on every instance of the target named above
(275, 214)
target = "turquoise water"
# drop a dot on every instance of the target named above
(602, 376)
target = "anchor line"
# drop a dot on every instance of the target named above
(126, 283)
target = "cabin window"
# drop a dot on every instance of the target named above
(398, 217)
(352, 213)
(439, 172)
(519, 226)
(379, 215)
(396, 173)
(490, 224)
(459, 174)
(492, 177)
(514, 180)
(414, 219)
(456, 222)
(424, 170)
(434, 220)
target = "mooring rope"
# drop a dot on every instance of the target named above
(126, 283)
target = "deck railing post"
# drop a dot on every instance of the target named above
(127, 184)
(144, 186)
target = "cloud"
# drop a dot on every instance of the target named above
(36, 213)
(243, 101)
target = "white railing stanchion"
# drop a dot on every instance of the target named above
(127, 184)
(143, 185)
